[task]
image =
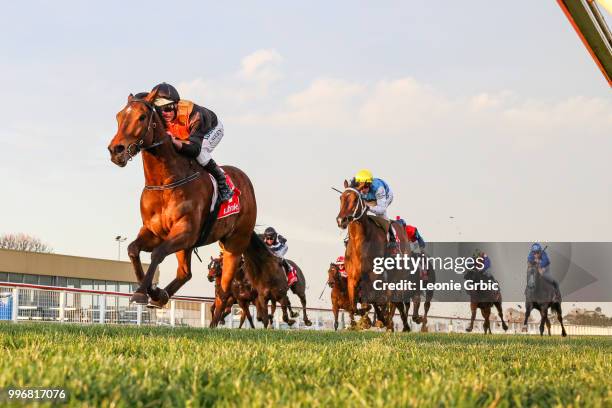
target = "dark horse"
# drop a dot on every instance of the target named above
(484, 299)
(339, 296)
(242, 292)
(541, 295)
(368, 241)
(176, 203)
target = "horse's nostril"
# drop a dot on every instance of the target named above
(118, 149)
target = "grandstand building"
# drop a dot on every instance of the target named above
(67, 271)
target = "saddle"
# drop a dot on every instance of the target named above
(387, 226)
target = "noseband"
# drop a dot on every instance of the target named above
(360, 205)
(134, 148)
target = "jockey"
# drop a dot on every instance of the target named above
(413, 234)
(340, 265)
(374, 191)
(538, 257)
(486, 261)
(277, 244)
(195, 131)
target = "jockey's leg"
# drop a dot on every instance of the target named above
(211, 140)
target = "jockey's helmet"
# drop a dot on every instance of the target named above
(536, 247)
(340, 260)
(166, 94)
(270, 233)
(364, 176)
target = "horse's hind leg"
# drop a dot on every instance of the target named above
(428, 297)
(404, 316)
(548, 325)
(262, 310)
(543, 318)
(390, 313)
(528, 308)
(498, 306)
(557, 308)
(284, 302)
(307, 321)
(416, 302)
(473, 308)
(486, 314)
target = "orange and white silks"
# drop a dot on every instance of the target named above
(179, 127)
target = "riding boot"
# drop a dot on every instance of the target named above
(225, 193)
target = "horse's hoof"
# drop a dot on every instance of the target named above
(155, 304)
(307, 322)
(563, 333)
(139, 298)
(290, 322)
(505, 327)
(424, 329)
(379, 324)
(295, 314)
(468, 329)
(406, 329)
(159, 295)
(417, 319)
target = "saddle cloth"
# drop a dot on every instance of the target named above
(227, 208)
(387, 226)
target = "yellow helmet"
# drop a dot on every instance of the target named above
(364, 176)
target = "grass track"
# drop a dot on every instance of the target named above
(129, 366)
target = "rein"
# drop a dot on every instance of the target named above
(137, 146)
(134, 148)
(361, 204)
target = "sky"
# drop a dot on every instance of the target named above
(494, 115)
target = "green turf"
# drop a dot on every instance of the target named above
(129, 366)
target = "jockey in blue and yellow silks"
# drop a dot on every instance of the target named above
(376, 192)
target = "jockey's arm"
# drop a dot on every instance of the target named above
(201, 121)
(381, 202)
(545, 261)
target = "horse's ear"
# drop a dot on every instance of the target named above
(151, 96)
(212, 259)
(346, 184)
(130, 98)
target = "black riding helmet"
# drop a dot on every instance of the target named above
(166, 94)
(270, 233)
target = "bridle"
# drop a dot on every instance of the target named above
(360, 205)
(215, 264)
(134, 148)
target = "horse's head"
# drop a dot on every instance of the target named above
(352, 206)
(214, 268)
(136, 124)
(332, 273)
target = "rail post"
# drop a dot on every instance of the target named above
(138, 314)
(62, 307)
(102, 309)
(172, 313)
(15, 309)
(203, 314)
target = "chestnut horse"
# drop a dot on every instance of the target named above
(175, 204)
(366, 242)
(484, 300)
(242, 292)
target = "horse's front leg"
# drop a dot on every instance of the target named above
(473, 308)
(180, 237)
(145, 241)
(159, 297)
(416, 302)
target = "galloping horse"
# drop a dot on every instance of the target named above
(176, 203)
(484, 300)
(366, 242)
(339, 297)
(540, 295)
(242, 292)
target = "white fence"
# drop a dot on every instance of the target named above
(21, 302)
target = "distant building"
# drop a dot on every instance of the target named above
(67, 271)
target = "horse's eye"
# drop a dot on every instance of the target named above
(142, 117)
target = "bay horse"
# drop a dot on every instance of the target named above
(541, 295)
(484, 300)
(176, 204)
(368, 241)
(265, 272)
(242, 292)
(299, 289)
(340, 299)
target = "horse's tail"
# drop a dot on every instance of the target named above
(257, 255)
